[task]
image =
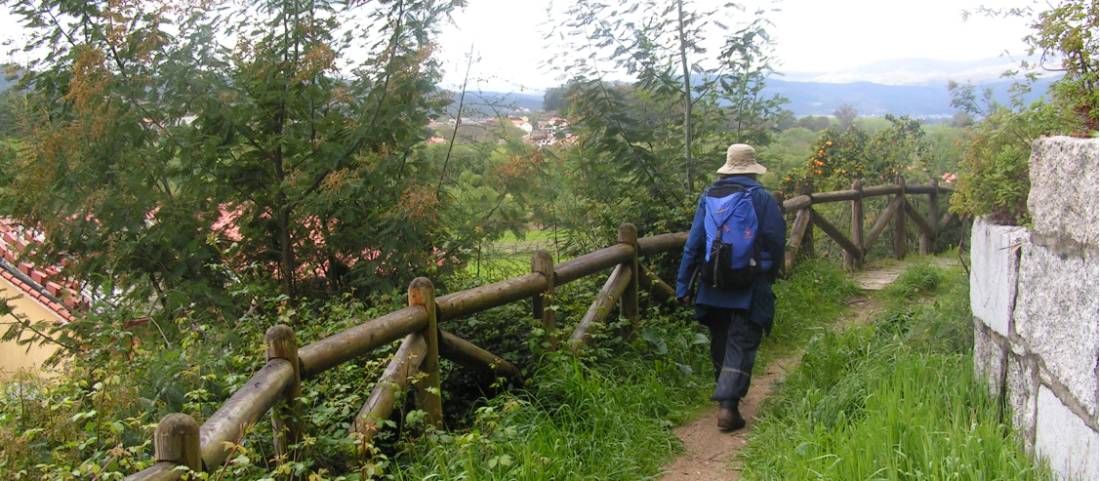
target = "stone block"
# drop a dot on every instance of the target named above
(1065, 188)
(1058, 317)
(1065, 440)
(989, 359)
(994, 260)
(1021, 385)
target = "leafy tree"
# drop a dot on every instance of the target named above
(962, 119)
(753, 117)
(993, 176)
(841, 156)
(554, 99)
(815, 123)
(846, 115)
(902, 149)
(683, 103)
(1064, 37)
(166, 164)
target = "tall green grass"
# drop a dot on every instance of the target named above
(601, 418)
(607, 415)
(808, 302)
(893, 401)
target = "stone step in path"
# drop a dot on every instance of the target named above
(876, 279)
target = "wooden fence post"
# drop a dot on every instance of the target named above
(543, 263)
(899, 221)
(428, 391)
(928, 239)
(856, 231)
(628, 234)
(176, 441)
(807, 246)
(798, 234)
(285, 419)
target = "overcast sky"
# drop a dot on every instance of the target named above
(822, 40)
(829, 38)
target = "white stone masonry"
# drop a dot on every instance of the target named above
(1034, 296)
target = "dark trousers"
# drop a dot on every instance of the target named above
(733, 343)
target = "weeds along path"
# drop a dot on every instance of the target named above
(710, 455)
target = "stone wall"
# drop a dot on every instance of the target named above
(1033, 292)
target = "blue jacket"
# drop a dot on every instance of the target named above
(759, 299)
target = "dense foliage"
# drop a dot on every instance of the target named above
(168, 152)
(993, 174)
(842, 155)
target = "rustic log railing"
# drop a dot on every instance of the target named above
(180, 444)
(857, 244)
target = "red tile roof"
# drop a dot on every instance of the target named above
(42, 283)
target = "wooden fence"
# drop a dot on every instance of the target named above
(856, 246)
(180, 442)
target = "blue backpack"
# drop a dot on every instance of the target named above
(731, 227)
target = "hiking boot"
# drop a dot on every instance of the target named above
(729, 419)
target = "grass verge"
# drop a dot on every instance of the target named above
(607, 416)
(896, 400)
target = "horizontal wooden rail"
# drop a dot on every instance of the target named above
(468, 354)
(802, 201)
(243, 409)
(797, 203)
(469, 301)
(592, 263)
(360, 340)
(661, 243)
(881, 190)
(835, 196)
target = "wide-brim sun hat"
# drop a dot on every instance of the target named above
(741, 159)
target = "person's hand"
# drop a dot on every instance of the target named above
(684, 301)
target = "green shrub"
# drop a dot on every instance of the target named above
(993, 175)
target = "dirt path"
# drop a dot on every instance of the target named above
(709, 455)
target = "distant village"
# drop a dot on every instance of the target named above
(546, 130)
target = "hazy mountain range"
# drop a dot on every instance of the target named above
(868, 98)
(915, 71)
(914, 87)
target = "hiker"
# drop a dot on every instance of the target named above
(733, 255)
